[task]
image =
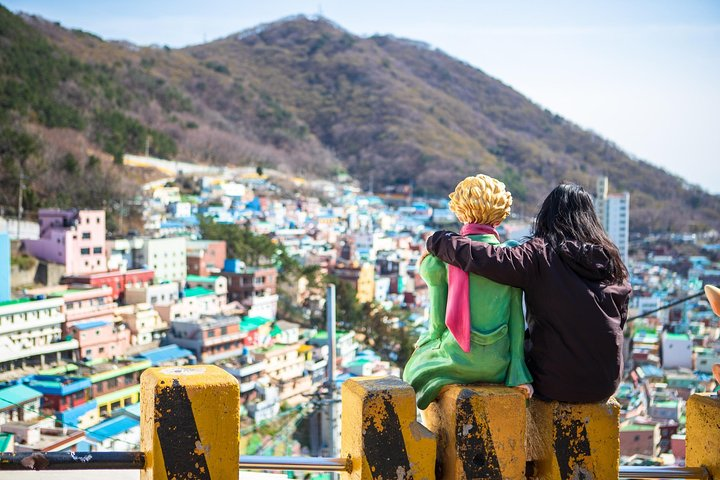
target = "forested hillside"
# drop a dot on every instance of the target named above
(301, 95)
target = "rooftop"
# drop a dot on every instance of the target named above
(248, 324)
(201, 279)
(197, 291)
(91, 324)
(17, 394)
(112, 427)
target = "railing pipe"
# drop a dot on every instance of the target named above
(651, 473)
(72, 461)
(136, 461)
(312, 464)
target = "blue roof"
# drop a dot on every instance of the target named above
(133, 410)
(70, 416)
(165, 354)
(17, 394)
(112, 427)
(57, 384)
(90, 324)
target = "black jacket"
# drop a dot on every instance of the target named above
(575, 317)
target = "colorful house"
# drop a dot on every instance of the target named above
(74, 238)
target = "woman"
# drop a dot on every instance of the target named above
(476, 325)
(576, 290)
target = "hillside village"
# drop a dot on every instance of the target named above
(84, 314)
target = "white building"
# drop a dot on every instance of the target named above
(31, 332)
(677, 350)
(166, 257)
(160, 294)
(613, 210)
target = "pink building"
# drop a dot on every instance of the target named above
(85, 304)
(101, 339)
(74, 238)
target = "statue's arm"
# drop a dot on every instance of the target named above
(434, 272)
(518, 373)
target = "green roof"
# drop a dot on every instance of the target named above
(275, 331)
(62, 293)
(323, 335)
(248, 324)
(133, 367)
(17, 394)
(117, 395)
(197, 291)
(635, 427)
(14, 302)
(666, 404)
(5, 439)
(200, 278)
(677, 336)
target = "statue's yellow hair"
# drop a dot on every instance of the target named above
(481, 199)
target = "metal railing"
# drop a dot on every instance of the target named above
(136, 461)
(649, 472)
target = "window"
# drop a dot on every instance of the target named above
(85, 251)
(86, 235)
(98, 219)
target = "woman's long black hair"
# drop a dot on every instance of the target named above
(568, 214)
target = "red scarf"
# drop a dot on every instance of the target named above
(457, 313)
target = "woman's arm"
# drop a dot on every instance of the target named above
(514, 266)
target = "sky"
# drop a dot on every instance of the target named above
(644, 74)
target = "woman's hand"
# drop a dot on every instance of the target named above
(526, 389)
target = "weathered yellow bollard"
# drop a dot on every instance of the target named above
(702, 440)
(190, 423)
(574, 440)
(480, 432)
(380, 432)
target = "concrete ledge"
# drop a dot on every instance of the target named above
(190, 421)
(481, 432)
(574, 440)
(380, 431)
(702, 440)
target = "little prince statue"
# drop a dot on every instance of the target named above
(476, 329)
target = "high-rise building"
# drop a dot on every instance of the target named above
(613, 210)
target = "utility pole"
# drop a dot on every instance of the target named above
(21, 187)
(331, 321)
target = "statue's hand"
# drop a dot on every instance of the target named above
(527, 390)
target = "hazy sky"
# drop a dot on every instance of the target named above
(644, 74)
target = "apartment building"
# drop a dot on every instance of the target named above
(206, 257)
(210, 338)
(74, 238)
(31, 333)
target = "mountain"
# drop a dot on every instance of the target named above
(305, 96)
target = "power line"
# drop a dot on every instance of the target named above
(671, 304)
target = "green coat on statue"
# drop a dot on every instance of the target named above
(497, 335)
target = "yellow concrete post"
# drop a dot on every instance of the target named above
(574, 440)
(702, 436)
(480, 432)
(380, 432)
(190, 423)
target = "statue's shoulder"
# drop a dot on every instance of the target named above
(432, 263)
